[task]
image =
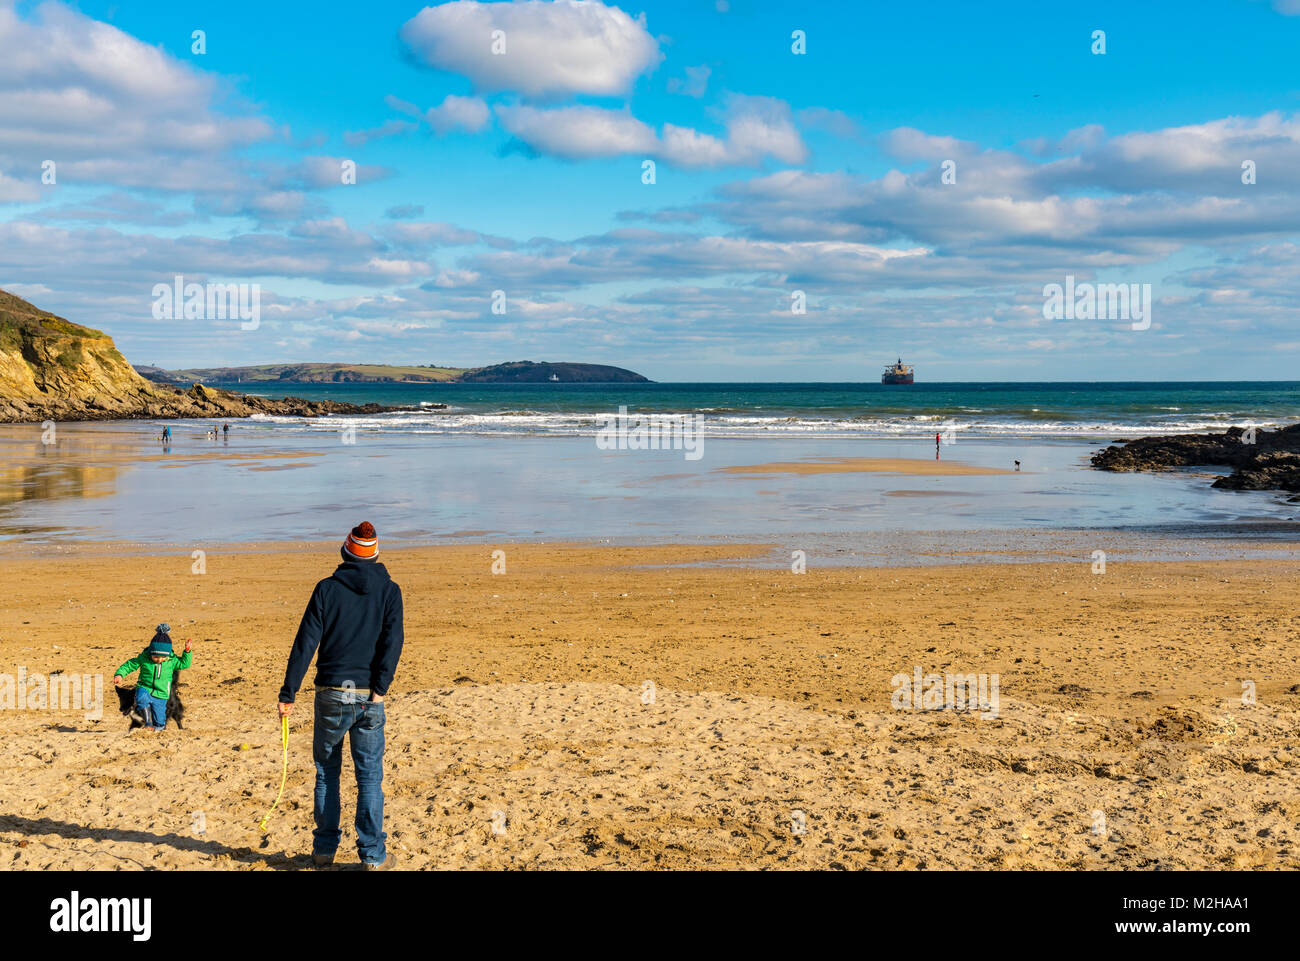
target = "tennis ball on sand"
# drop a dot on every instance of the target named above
(244, 747)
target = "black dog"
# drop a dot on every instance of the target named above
(175, 709)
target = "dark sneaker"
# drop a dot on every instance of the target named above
(322, 860)
(383, 865)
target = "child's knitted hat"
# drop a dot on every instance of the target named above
(162, 642)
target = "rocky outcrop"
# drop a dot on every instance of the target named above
(52, 369)
(1274, 471)
(1261, 459)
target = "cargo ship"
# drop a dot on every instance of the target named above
(899, 373)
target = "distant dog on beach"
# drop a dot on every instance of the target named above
(175, 707)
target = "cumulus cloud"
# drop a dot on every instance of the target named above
(1206, 158)
(108, 108)
(576, 133)
(1118, 200)
(550, 48)
(458, 113)
(454, 113)
(757, 128)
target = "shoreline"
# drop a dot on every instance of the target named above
(1060, 546)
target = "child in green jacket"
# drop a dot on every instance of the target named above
(157, 665)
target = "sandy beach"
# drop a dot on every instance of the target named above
(522, 732)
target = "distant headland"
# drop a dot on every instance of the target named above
(514, 372)
(53, 369)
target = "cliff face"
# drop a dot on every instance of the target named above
(49, 366)
(52, 369)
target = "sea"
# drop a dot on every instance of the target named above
(497, 463)
(849, 410)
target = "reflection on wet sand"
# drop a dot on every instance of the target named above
(72, 465)
(54, 480)
(72, 462)
(272, 481)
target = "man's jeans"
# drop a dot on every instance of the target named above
(337, 713)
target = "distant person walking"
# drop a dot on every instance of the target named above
(355, 617)
(936, 446)
(225, 430)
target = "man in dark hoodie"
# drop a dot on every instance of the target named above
(355, 617)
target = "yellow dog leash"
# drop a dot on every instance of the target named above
(284, 772)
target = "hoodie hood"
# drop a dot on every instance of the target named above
(362, 577)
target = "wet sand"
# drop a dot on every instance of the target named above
(916, 466)
(283, 482)
(1121, 738)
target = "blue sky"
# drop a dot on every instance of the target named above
(775, 172)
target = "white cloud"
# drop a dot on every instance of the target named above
(690, 148)
(262, 205)
(429, 234)
(836, 122)
(464, 113)
(109, 108)
(759, 127)
(696, 82)
(551, 48)
(907, 143)
(13, 190)
(116, 207)
(756, 128)
(321, 172)
(391, 128)
(402, 106)
(578, 132)
(1205, 157)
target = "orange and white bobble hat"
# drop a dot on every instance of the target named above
(362, 542)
